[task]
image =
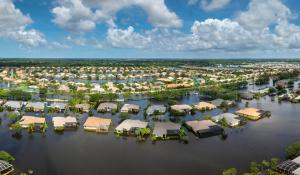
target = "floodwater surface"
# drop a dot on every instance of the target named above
(80, 152)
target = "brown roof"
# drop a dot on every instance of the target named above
(251, 113)
(95, 122)
(26, 120)
(178, 85)
(203, 105)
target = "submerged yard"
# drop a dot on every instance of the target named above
(81, 152)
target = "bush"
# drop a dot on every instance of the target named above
(230, 171)
(293, 150)
(6, 156)
(124, 116)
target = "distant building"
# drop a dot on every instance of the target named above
(205, 106)
(156, 109)
(130, 108)
(35, 106)
(107, 107)
(14, 105)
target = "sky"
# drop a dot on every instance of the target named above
(150, 29)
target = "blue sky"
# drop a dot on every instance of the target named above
(150, 28)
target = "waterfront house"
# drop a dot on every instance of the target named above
(60, 123)
(205, 106)
(286, 97)
(35, 106)
(84, 107)
(252, 113)
(130, 108)
(14, 105)
(218, 102)
(59, 106)
(247, 95)
(64, 88)
(130, 125)
(231, 119)
(6, 168)
(166, 129)
(181, 108)
(97, 89)
(97, 124)
(26, 121)
(177, 86)
(281, 83)
(107, 107)
(156, 110)
(291, 167)
(204, 128)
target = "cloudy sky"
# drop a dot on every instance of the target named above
(150, 28)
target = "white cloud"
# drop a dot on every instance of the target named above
(210, 5)
(264, 26)
(213, 4)
(59, 45)
(127, 38)
(13, 24)
(83, 15)
(78, 41)
(262, 14)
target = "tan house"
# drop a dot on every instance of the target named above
(28, 120)
(251, 113)
(130, 108)
(205, 106)
(97, 124)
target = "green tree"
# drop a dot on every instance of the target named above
(230, 171)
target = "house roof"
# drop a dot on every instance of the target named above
(203, 105)
(217, 102)
(26, 120)
(129, 124)
(14, 104)
(160, 108)
(107, 105)
(130, 107)
(253, 112)
(96, 122)
(4, 166)
(161, 128)
(182, 107)
(297, 160)
(84, 106)
(296, 172)
(37, 105)
(200, 125)
(58, 105)
(61, 121)
(230, 118)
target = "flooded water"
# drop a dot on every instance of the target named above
(81, 152)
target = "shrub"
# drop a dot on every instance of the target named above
(6, 156)
(293, 150)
